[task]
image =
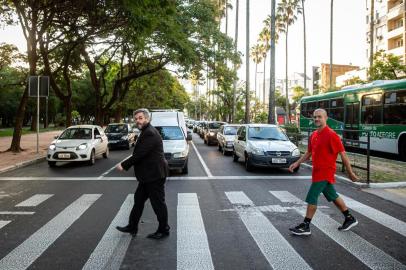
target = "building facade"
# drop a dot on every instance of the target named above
(389, 27)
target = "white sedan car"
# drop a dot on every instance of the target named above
(78, 143)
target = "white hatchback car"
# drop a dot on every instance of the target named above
(78, 143)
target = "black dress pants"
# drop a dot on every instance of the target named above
(155, 192)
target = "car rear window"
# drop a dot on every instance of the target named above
(116, 129)
(215, 125)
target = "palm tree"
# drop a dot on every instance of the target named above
(331, 45)
(256, 55)
(286, 16)
(265, 39)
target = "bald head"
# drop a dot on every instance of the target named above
(320, 118)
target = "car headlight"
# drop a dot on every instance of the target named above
(181, 154)
(52, 147)
(83, 146)
(211, 133)
(296, 152)
(257, 151)
(125, 137)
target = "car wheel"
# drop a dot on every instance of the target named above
(248, 164)
(92, 159)
(224, 151)
(106, 154)
(235, 157)
(51, 164)
(204, 140)
(185, 169)
(220, 148)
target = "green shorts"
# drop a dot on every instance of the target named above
(319, 187)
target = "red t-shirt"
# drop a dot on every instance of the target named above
(324, 147)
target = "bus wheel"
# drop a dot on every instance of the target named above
(402, 148)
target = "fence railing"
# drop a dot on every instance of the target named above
(304, 135)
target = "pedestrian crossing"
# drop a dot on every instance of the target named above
(195, 249)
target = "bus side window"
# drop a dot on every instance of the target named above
(371, 110)
(337, 109)
(394, 110)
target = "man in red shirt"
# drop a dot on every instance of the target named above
(324, 146)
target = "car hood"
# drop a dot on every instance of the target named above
(174, 146)
(69, 143)
(274, 145)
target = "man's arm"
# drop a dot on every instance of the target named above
(347, 164)
(143, 148)
(303, 158)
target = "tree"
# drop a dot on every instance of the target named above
(257, 56)
(298, 93)
(387, 67)
(286, 16)
(304, 45)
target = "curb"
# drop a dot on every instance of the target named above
(364, 185)
(23, 164)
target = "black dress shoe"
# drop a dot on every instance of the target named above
(158, 235)
(127, 229)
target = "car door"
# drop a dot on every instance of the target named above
(238, 142)
(220, 136)
(97, 142)
(104, 143)
(243, 141)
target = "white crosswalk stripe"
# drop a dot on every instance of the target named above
(376, 215)
(111, 249)
(35, 200)
(367, 253)
(4, 223)
(278, 252)
(193, 250)
(26, 253)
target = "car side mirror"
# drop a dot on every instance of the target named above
(56, 136)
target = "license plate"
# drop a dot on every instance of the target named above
(279, 160)
(63, 155)
(112, 141)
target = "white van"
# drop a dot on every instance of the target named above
(175, 136)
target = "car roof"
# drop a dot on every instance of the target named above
(84, 126)
(261, 125)
(118, 124)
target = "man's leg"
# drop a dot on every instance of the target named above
(311, 199)
(156, 192)
(140, 197)
(331, 195)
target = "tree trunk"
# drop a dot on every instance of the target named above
(286, 76)
(68, 111)
(34, 122)
(255, 87)
(304, 47)
(263, 86)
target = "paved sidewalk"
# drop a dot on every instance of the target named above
(9, 160)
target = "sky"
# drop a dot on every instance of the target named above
(349, 38)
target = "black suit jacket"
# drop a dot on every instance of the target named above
(148, 157)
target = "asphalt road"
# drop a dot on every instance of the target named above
(221, 217)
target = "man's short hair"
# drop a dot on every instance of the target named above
(144, 111)
(321, 110)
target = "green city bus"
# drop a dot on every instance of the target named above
(378, 108)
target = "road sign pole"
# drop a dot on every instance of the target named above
(38, 114)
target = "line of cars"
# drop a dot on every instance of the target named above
(86, 142)
(258, 145)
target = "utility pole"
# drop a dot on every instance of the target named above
(331, 44)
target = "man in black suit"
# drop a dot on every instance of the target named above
(151, 170)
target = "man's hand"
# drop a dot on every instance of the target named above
(293, 166)
(353, 176)
(119, 168)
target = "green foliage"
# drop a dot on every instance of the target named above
(387, 67)
(298, 93)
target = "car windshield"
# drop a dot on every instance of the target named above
(116, 129)
(230, 130)
(266, 133)
(170, 133)
(215, 125)
(76, 134)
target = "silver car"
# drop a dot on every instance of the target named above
(226, 136)
(78, 143)
(263, 145)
